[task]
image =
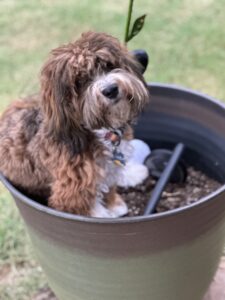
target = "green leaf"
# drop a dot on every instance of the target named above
(138, 25)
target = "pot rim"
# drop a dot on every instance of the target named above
(28, 201)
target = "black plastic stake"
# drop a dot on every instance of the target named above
(164, 178)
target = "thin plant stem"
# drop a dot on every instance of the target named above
(128, 21)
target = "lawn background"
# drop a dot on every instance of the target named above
(186, 43)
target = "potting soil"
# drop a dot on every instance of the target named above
(196, 186)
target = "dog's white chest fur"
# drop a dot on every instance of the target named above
(112, 170)
(128, 175)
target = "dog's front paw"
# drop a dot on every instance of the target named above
(100, 211)
(118, 208)
(132, 175)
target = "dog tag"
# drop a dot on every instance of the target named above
(118, 158)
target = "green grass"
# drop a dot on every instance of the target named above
(185, 40)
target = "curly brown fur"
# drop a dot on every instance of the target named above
(47, 143)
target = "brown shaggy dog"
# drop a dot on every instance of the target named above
(49, 146)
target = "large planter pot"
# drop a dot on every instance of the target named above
(171, 255)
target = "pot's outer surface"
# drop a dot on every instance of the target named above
(171, 255)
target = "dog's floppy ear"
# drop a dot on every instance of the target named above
(142, 57)
(60, 103)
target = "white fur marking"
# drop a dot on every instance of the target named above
(132, 174)
(119, 209)
(99, 211)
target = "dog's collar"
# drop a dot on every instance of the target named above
(114, 136)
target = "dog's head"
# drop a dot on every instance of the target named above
(91, 83)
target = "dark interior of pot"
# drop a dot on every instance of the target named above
(179, 115)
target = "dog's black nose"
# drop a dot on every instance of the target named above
(111, 91)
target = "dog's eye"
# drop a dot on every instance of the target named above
(109, 66)
(78, 84)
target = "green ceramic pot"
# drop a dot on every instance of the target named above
(167, 256)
